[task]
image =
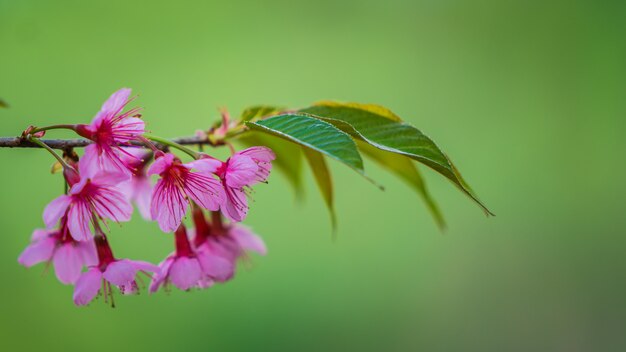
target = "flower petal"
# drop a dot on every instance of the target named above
(120, 272)
(241, 171)
(116, 102)
(248, 240)
(111, 204)
(204, 190)
(144, 266)
(161, 275)
(235, 207)
(100, 158)
(260, 154)
(39, 234)
(55, 210)
(37, 252)
(215, 266)
(185, 272)
(263, 156)
(168, 205)
(68, 263)
(128, 129)
(142, 191)
(207, 165)
(88, 252)
(161, 164)
(78, 220)
(87, 286)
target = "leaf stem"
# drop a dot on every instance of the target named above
(50, 150)
(172, 144)
(54, 127)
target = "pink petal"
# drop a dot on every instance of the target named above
(55, 210)
(168, 205)
(215, 266)
(88, 165)
(206, 165)
(68, 263)
(128, 129)
(116, 102)
(141, 194)
(111, 204)
(39, 234)
(241, 171)
(161, 164)
(205, 282)
(78, 187)
(247, 240)
(78, 220)
(263, 156)
(185, 272)
(225, 246)
(111, 179)
(204, 190)
(235, 207)
(144, 266)
(37, 252)
(159, 278)
(120, 272)
(135, 154)
(88, 252)
(103, 159)
(87, 286)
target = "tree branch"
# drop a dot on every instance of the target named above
(18, 142)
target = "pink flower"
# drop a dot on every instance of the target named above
(177, 185)
(108, 273)
(229, 242)
(58, 247)
(91, 197)
(238, 240)
(138, 188)
(244, 168)
(186, 268)
(109, 129)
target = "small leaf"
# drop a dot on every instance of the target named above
(315, 134)
(324, 181)
(3, 104)
(288, 159)
(380, 128)
(405, 169)
(259, 111)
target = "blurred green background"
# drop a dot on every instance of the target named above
(527, 97)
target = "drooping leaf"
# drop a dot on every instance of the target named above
(324, 181)
(288, 158)
(383, 129)
(259, 111)
(315, 134)
(405, 169)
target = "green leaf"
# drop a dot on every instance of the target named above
(324, 181)
(405, 169)
(259, 111)
(384, 130)
(3, 104)
(314, 134)
(288, 159)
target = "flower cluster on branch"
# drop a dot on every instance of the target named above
(115, 171)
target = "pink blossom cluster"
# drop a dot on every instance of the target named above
(113, 174)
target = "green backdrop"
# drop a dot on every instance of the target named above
(527, 97)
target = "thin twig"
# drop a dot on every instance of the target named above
(19, 142)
